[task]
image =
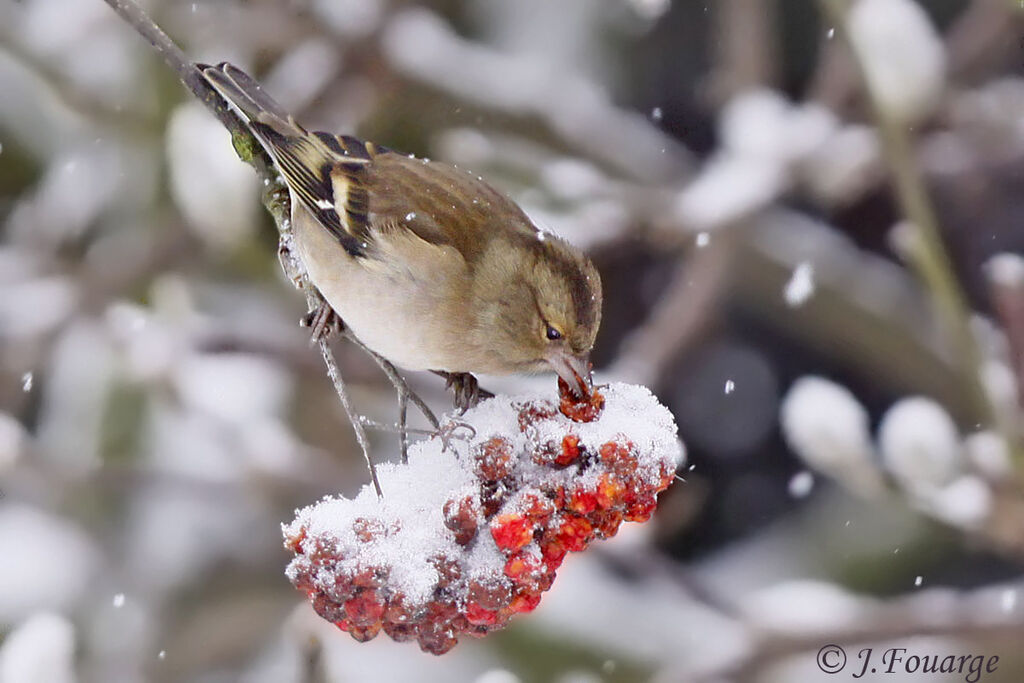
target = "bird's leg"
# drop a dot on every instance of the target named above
(468, 392)
(323, 322)
(396, 379)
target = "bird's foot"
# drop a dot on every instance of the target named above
(468, 392)
(451, 431)
(323, 322)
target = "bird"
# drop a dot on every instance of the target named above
(426, 264)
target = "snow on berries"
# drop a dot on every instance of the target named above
(471, 532)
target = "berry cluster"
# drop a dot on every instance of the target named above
(556, 477)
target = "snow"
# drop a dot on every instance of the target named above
(35, 306)
(235, 387)
(965, 503)
(215, 191)
(989, 454)
(729, 187)
(800, 484)
(1006, 270)
(804, 607)
(40, 650)
(800, 286)
(919, 443)
(497, 676)
(12, 441)
(415, 494)
(762, 123)
(1008, 600)
(901, 53)
(827, 428)
(47, 562)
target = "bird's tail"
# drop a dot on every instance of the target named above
(248, 98)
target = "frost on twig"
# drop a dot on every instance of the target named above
(474, 527)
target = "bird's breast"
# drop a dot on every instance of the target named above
(402, 300)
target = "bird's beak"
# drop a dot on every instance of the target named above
(575, 370)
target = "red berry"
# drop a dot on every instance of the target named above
(327, 608)
(511, 531)
(364, 633)
(492, 497)
(480, 616)
(524, 603)
(436, 641)
(367, 530)
(448, 570)
(294, 541)
(538, 508)
(610, 491)
(364, 609)
(400, 633)
(493, 459)
(579, 408)
(583, 501)
(641, 510)
(461, 517)
(491, 593)
(534, 412)
(606, 522)
(575, 532)
(552, 550)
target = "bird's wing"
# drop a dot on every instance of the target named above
(327, 173)
(441, 204)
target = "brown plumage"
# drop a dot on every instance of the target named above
(427, 264)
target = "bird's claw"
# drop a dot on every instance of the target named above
(449, 431)
(323, 322)
(468, 392)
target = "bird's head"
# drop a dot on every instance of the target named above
(544, 310)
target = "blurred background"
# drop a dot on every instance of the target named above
(809, 221)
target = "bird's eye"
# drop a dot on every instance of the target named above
(553, 334)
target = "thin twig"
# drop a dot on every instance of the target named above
(926, 251)
(403, 435)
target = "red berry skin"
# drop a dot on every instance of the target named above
(552, 550)
(537, 508)
(294, 541)
(479, 616)
(491, 593)
(610, 491)
(493, 459)
(524, 603)
(525, 570)
(436, 638)
(570, 451)
(511, 531)
(400, 633)
(641, 511)
(365, 633)
(364, 609)
(607, 522)
(534, 412)
(579, 409)
(367, 530)
(583, 501)
(575, 533)
(460, 516)
(327, 608)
